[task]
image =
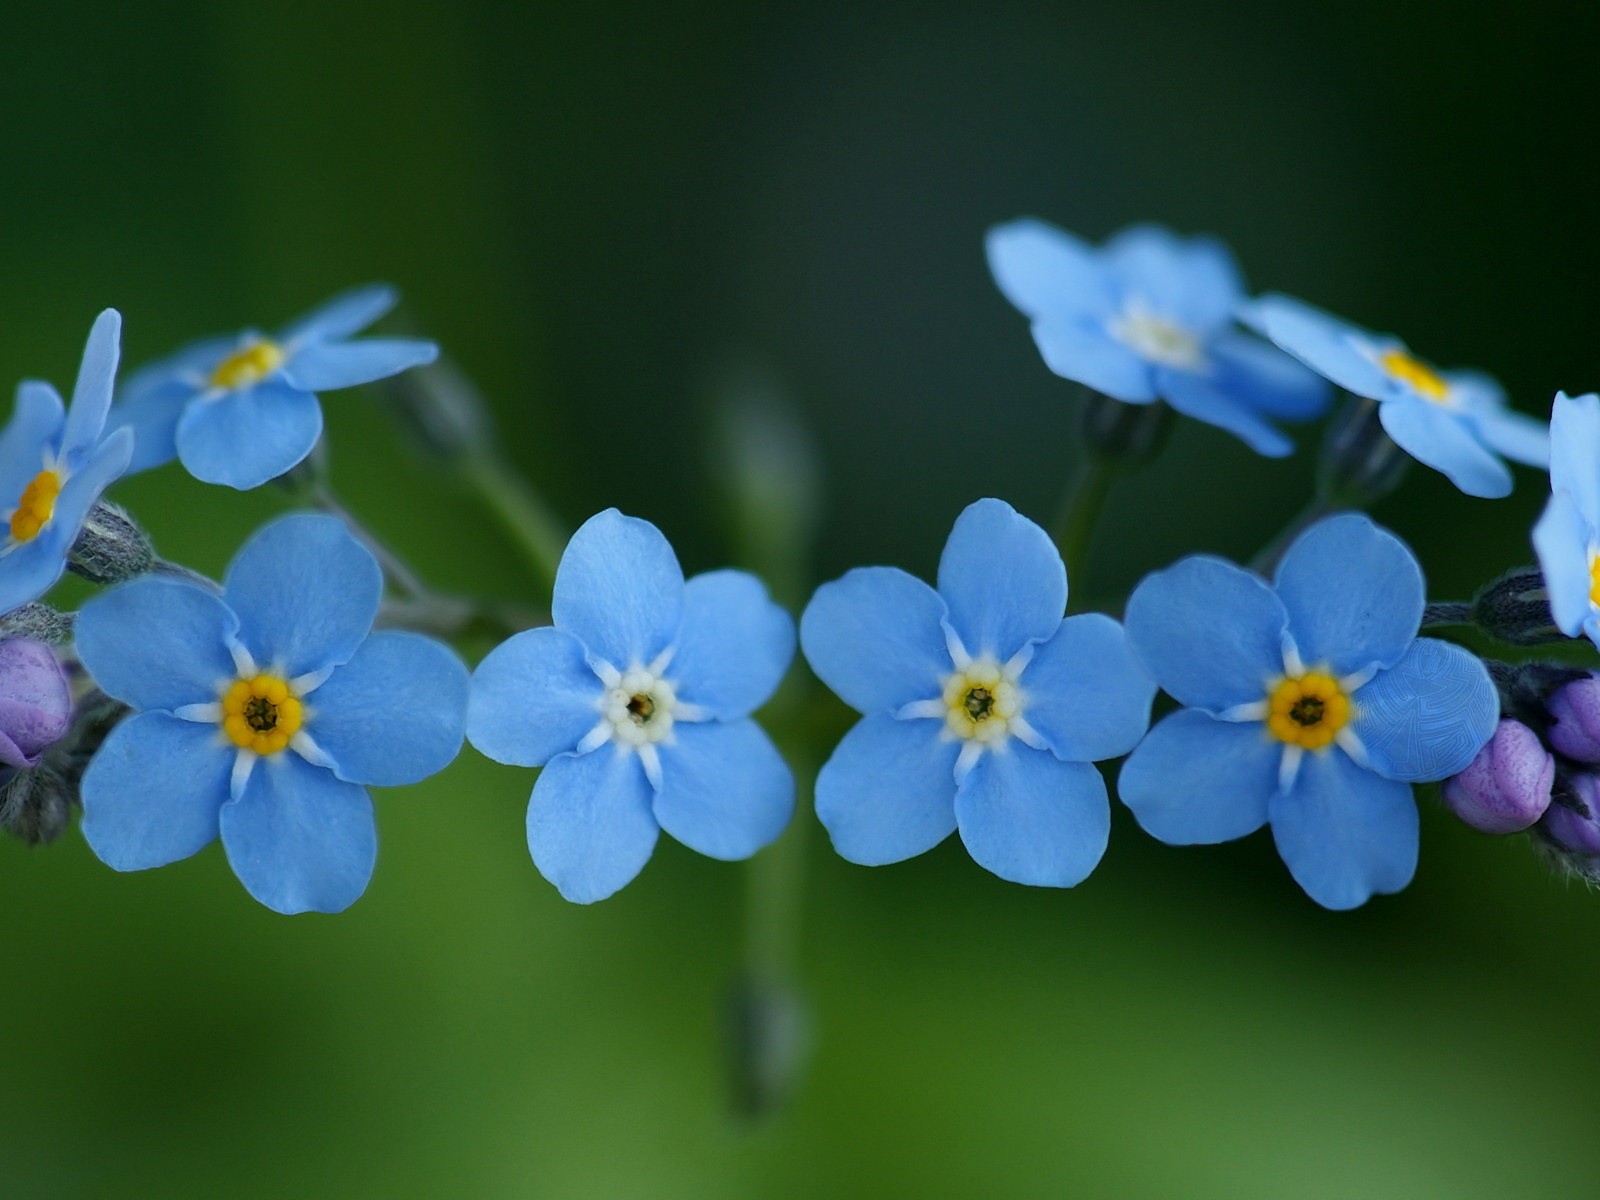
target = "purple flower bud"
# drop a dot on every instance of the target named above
(1575, 719)
(35, 701)
(1507, 787)
(1571, 831)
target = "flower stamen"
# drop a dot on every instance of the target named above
(261, 714)
(247, 366)
(1416, 374)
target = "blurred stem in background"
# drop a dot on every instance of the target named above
(767, 471)
(1112, 437)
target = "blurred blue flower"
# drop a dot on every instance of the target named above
(242, 410)
(637, 705)
(1567, 535)
(983, 709)
(54, 464)
(1456, 422)
(1151, 316)
(1310, 704)
(262, 714)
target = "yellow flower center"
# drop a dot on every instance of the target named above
(247, 366)
(1594, 578)
(980, 702)
(1307, 711)
(1418, 374)
(261, 714)
(36, 506)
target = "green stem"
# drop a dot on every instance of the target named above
(522, 513)
(1080, 510)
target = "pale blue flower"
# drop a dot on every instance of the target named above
(983, 709)
(1567, 536)
(1456, 422)
(262, 715)
(637, 704)
(1150, 316)
(1311, 704)
(242, 410)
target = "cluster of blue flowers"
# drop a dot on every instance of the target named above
(258, 711)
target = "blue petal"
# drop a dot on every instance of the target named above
(1002, 578)
(725, 790)
(1210, 633)
(1354, 594)
(533, 697)
(619, 590)
(1200, 397)
(1515, 435)
(394, 713)
(151, 399)
(1561, 539)
(299, 839)
(1196, 780)
(91, 398)
(1086, 693)
(347, 313)
(1267, 379)
(590, 826)
(1192, 281)
(325, 366)
(306, 593)
(1344, 833)
(152, 791)
(1428, 716)
(1086, 353)
(876, 637)
(157, 643)
(91, 476)
(1329, 346)
(734, 646)
(1031, 818)
(1440, 439)
(1045, 270)
(34, 423)
(1574, 457)
(888, 792)
(243, 438)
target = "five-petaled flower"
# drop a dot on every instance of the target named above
(983, 708)
(1310, 703)
(54, 463)
(242, 410)
(637, 704)
(262, 715)
(1456, 422)
(1152, 316)
(1567, 536)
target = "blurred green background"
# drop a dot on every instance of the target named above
(601, 211)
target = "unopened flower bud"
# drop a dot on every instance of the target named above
(39, 622)
(111, 547)
(1506, 788)
(1575, 719)
(1515, 609)
(1129, 434)
(35, 803)
(35, 701)
(1575, 829)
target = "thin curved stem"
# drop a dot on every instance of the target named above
(522, 513)
(1081, 505)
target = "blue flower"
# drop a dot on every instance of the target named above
(242, 410)
(1311, 704)
(1456, 422)
(983, 709)
(637, 705)
(1567, 536)
(53, 466)
(1151, 316)
(262, 715)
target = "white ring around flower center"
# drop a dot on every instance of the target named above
(981, 700)
(640, 707)
(1156, 338)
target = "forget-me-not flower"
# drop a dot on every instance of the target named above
(1567, 536)
(1310, 703)
(1456, 422)
(54, 463)
(262, 715)
(983, 708)
(1150, 316)
(242, 410)
(637, 704)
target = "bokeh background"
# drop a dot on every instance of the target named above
(605, 212)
